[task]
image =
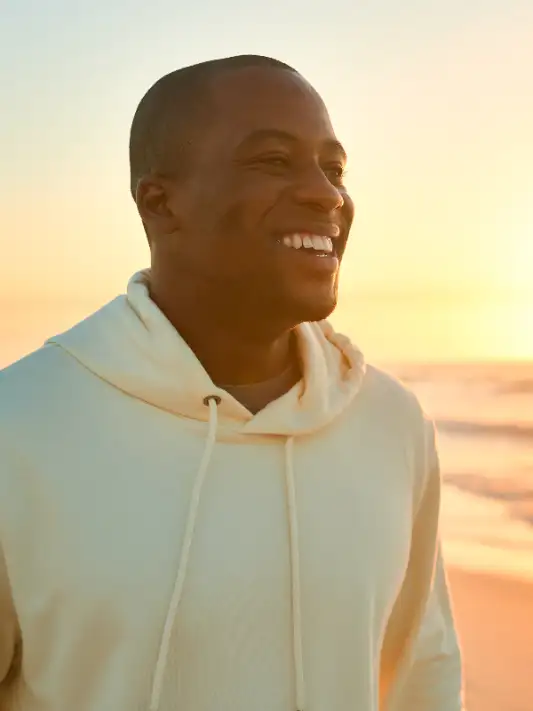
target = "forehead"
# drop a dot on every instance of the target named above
(265, 98)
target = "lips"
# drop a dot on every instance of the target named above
(309, 254)
(324, 229)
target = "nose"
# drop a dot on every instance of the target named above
(316, 191)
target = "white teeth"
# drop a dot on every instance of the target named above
(316, 242)
(297, 241)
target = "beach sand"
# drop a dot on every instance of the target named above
(494, 617)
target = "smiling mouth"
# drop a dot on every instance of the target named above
(307, 243)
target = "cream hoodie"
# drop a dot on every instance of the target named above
(165, 550)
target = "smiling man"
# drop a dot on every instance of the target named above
(207, 500)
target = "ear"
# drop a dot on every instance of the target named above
(157, 204)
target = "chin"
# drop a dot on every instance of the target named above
(311, 310)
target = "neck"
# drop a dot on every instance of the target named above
(232, 351)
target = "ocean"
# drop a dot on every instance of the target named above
(484, 418)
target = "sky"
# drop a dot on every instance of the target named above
(433, 100)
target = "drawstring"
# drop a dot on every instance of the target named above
(295, 577)
(212, 402)
(155, 697)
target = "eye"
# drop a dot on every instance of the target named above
(275, 160)
(336, 172)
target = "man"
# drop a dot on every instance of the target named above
(208, 501)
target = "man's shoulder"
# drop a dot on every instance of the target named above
(394, 410)
(389, 406)
(29, 383)
(35, 365)
(386, 391)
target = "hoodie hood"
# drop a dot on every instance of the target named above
(130, 344)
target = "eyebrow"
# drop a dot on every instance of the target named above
(265, 133)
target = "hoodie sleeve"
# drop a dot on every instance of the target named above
(10, 639)
(421, 661)
(8, 629)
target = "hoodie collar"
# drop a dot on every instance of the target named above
(130, 344)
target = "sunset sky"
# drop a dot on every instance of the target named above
(434, 101)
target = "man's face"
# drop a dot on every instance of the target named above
(263, 216)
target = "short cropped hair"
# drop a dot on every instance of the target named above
(174, 109)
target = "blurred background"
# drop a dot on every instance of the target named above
(434, 101)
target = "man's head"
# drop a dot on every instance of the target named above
(234, 163)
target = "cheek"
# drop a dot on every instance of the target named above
(234, 221)
(228, 219)
(222, 242)
(241, 207)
